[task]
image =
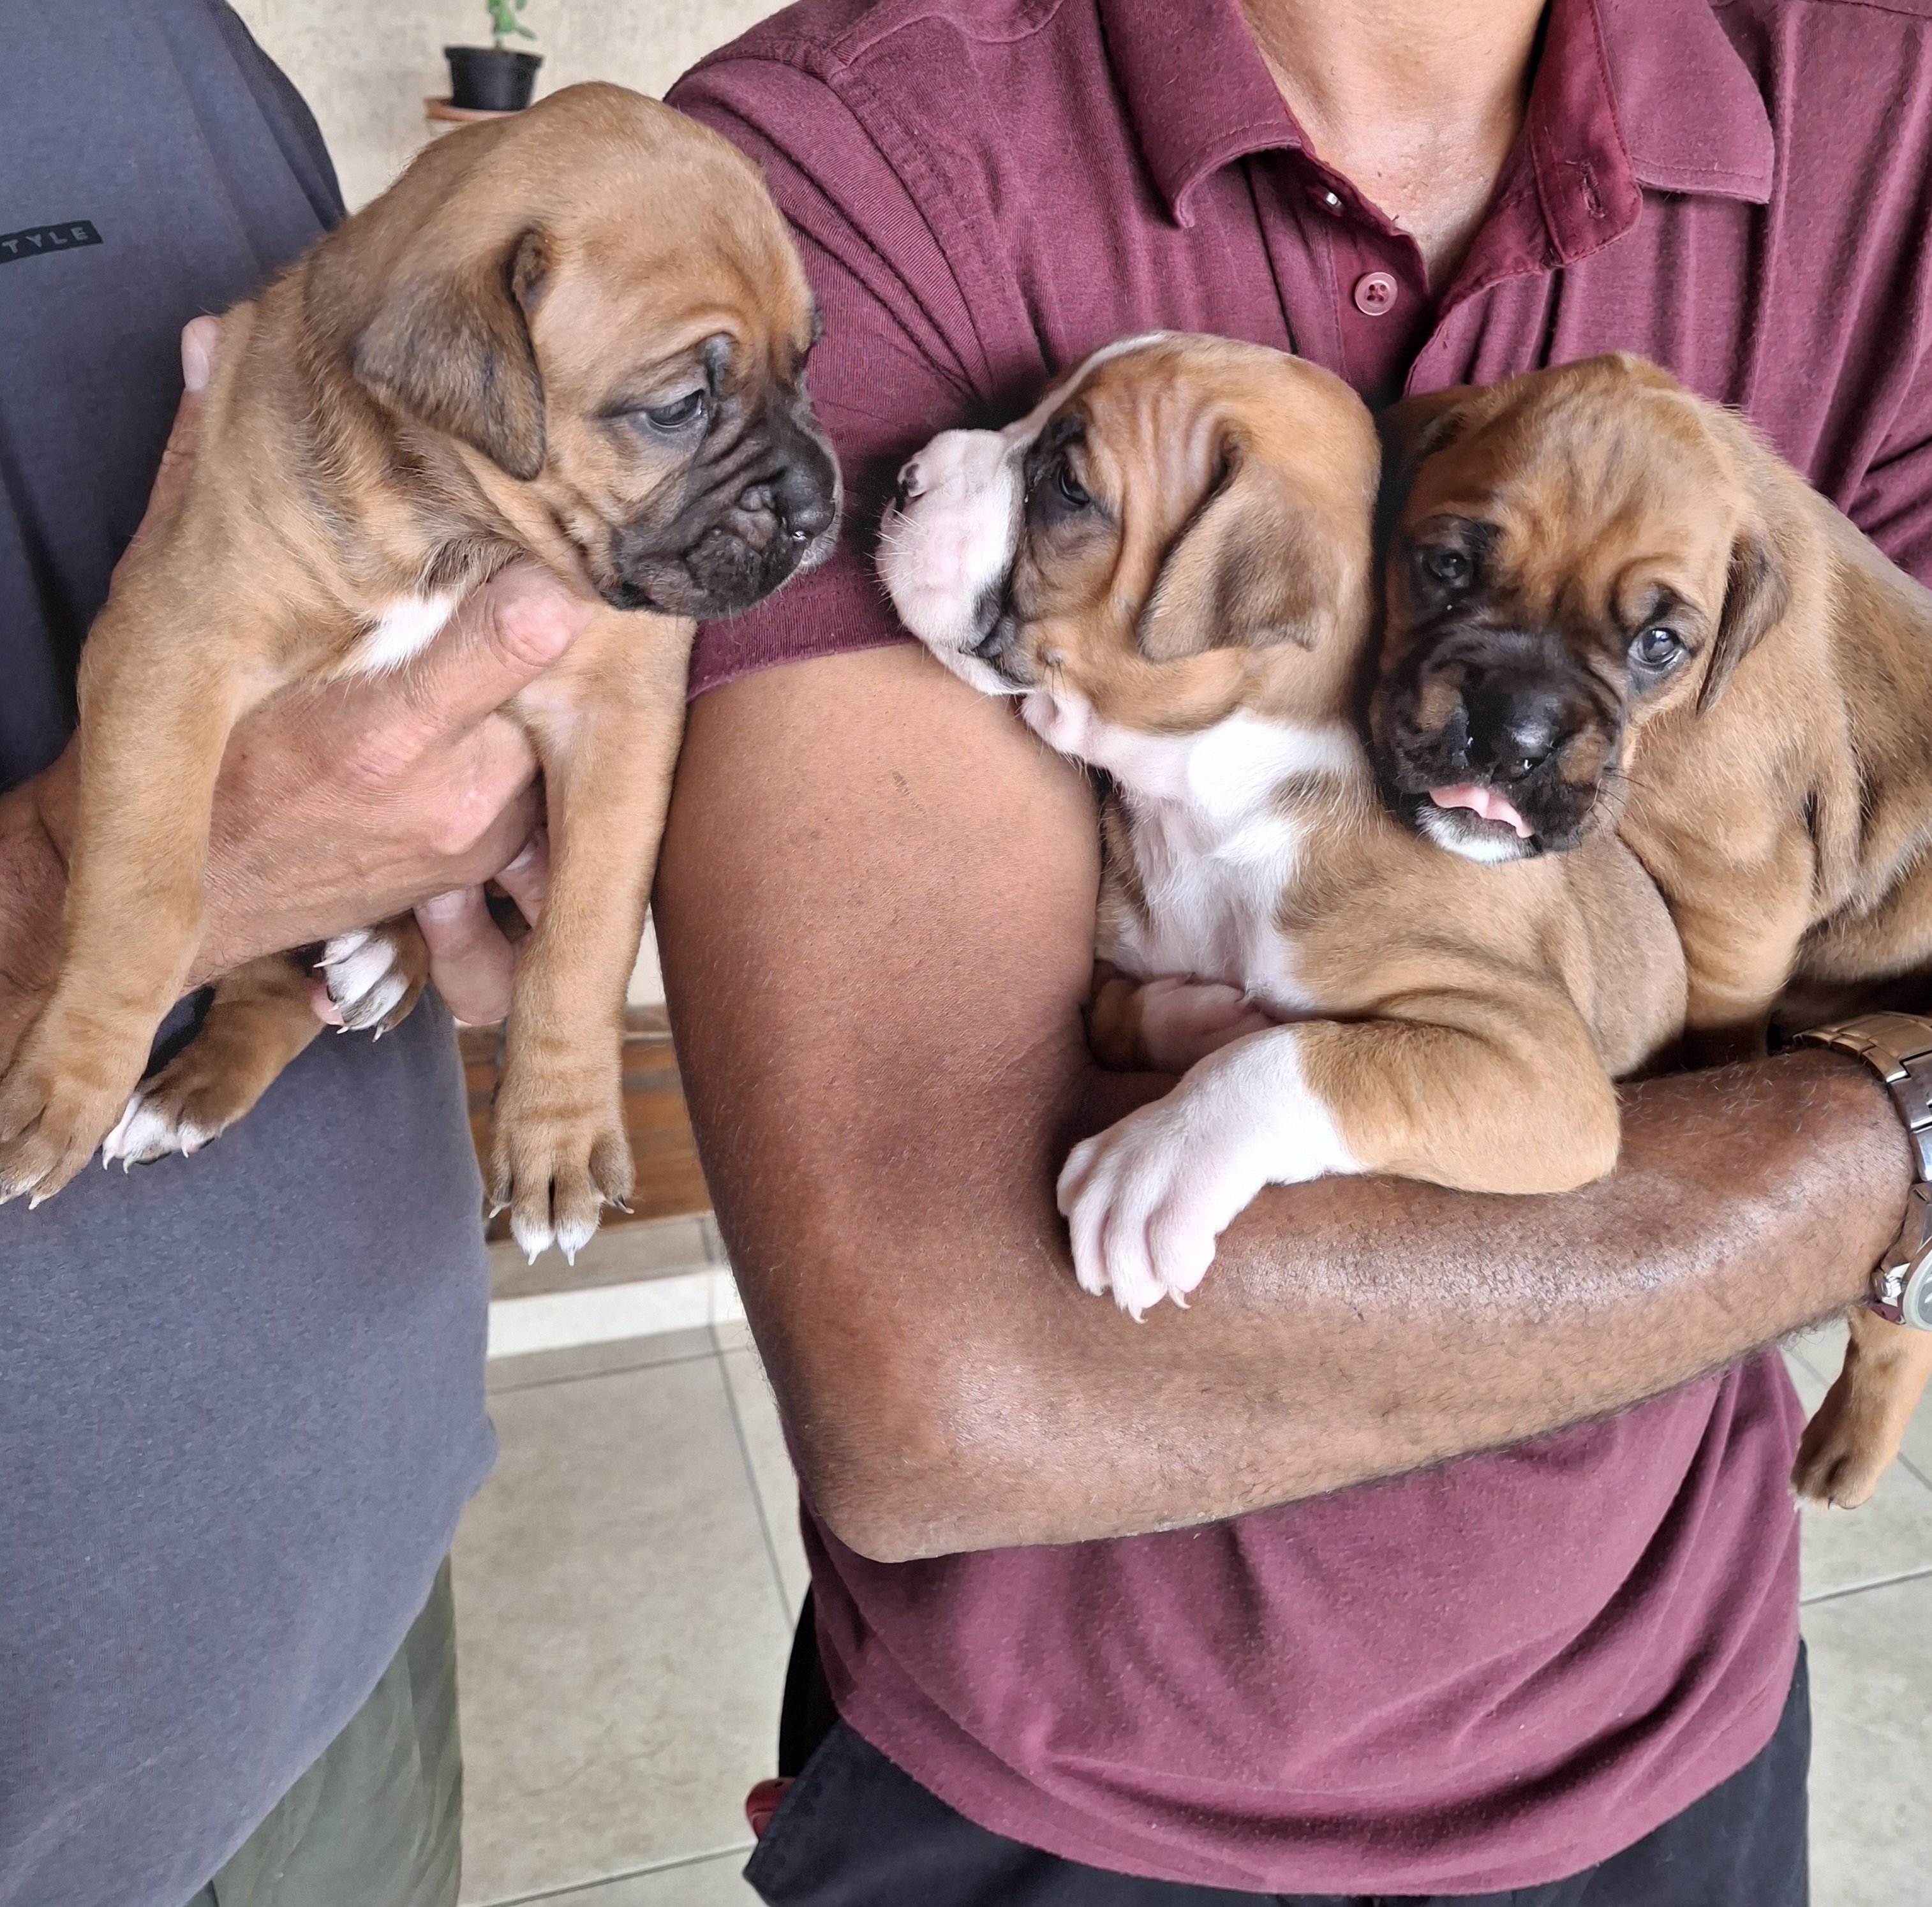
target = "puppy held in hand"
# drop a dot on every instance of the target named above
(1612, 611)
(577, 335)
(1169, 561)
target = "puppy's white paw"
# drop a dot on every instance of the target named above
(367, 979)
(152, 1125)
(1146, 1200)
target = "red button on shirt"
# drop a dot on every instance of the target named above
(1374, 293)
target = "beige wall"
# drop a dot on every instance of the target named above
(365, 65)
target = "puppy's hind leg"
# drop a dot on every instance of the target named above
(259, 1020)
(1850, 1443)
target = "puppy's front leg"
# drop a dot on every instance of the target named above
(607, 722)
(155, 716)
(1145, 1201)
(1490, 1093)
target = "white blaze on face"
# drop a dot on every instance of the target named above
(945, 554)
(948, 548)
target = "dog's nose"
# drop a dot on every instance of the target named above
(808, 496)
(911, 482)
(1517, 723)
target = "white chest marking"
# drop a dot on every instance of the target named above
(405, 628)
(1213, 845)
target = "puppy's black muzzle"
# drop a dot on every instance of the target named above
(770, 507)
(1508, 710)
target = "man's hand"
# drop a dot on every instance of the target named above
(340, 805)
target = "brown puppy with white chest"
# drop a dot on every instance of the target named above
(1611, 609)
(1169, 561)
(577, 335)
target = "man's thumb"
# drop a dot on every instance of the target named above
(198, 340)
(502, 637)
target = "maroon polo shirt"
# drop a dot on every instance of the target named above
(1498, 1672)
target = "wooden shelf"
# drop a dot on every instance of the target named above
(670, 1183)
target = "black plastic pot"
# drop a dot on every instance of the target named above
(490, 78)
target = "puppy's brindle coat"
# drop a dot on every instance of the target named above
(577, 335)
(1610, 606)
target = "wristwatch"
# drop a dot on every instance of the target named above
(1898, 1048)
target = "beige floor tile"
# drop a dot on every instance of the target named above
(715, 1883)
(593, 1360)
(621, 1648)
(1891, 1535)
(771, 1471)
(1871, 1757)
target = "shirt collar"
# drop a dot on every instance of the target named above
(1628, 93)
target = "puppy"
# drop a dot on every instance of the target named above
(1169, 561)
(1611, 610)
(577, 335)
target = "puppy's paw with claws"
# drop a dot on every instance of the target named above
(1146, 1200)
(189, 1101)
(376, 974)
(1847, 1446)
(556, 1159)
(60, 1098)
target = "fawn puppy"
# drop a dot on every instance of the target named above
(578, 335)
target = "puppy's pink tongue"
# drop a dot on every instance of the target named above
(1485, 802)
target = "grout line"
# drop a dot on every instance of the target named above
(509, 1386)
(586, 1887)
(786, 1617)
(1858, 1588)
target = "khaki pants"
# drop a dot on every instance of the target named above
(377, 1821)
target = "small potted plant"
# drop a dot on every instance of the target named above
(495, 78)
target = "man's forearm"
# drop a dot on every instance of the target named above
(877, 944)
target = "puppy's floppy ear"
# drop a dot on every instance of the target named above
(1413, 431)
(452, 345)
(1253, 566)
(1757, 593)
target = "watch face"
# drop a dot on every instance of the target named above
(1915, 1302)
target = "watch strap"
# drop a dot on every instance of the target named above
(1898, 1048)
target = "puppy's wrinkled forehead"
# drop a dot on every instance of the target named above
(1585, 479)
(677, 255)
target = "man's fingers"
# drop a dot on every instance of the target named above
(200, 339)
(503, 636)
(527, 878)
(469, 961)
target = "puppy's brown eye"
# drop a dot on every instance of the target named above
(1656, 648)
(1449, 568)
(681, 411)
(1068, 485)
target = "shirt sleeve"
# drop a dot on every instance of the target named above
(898, 361)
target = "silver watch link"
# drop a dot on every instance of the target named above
(1898, 1048)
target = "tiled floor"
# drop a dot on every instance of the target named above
(626, 1582)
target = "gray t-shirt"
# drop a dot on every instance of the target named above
(241, 1394)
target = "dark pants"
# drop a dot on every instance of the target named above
(854, 1830)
